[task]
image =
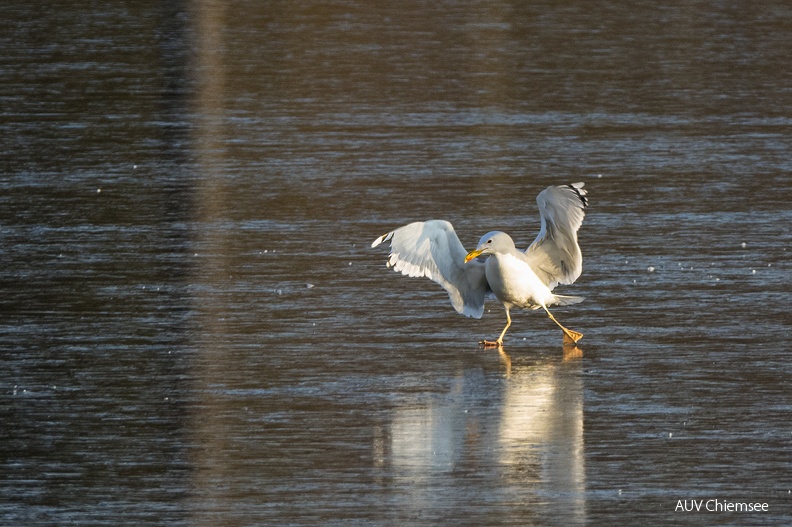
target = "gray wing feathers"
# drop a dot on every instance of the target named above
(555, 254)
(432, 249)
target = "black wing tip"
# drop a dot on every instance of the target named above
(580, 195)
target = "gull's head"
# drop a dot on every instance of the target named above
(491, 243)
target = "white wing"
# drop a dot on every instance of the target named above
(555, 254)
(432, 249)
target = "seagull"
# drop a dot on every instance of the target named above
(522, 279)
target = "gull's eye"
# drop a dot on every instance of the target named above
(489, 241)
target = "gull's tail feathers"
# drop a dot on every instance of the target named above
(566, 300)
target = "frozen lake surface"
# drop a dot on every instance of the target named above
(195, 330)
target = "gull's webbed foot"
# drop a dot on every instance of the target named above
(492, 343)
(571, 337)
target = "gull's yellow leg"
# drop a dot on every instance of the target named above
(573, 335)
(499, 342)
(508, 323)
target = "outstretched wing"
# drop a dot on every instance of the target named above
(555, 254)
(432, 249)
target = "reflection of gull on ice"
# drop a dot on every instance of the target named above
(542, 424)
(521, 437)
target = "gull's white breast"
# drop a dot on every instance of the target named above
(513, 281)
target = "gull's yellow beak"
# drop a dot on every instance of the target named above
(472, 254)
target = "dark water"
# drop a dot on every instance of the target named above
(194, 330)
